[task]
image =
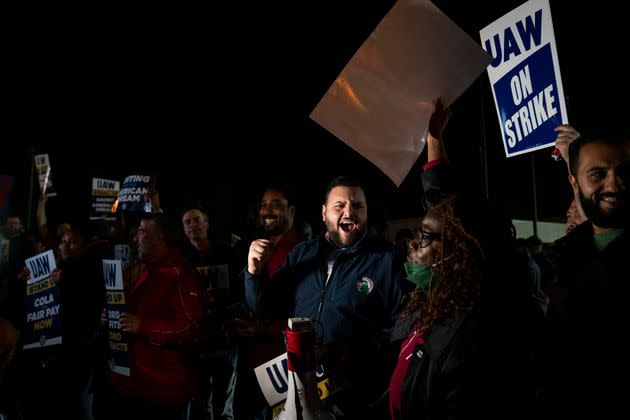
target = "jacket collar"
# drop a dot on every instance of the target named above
(362, 243)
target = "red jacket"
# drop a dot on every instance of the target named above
(168, 298)
(279, 255)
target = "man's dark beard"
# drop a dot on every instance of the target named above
(277, 229)
(618, 218)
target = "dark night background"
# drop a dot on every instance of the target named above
(98, 86)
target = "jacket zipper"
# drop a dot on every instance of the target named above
(415, 333)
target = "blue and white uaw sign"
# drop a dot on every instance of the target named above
(134, 188)
(118, 340)
(525, 77)
(43, 320)
(273, 379)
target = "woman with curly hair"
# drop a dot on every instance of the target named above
(471, 321)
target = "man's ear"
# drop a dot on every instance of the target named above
(324, 212)
(574, 183)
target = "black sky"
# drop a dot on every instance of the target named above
(98, 86)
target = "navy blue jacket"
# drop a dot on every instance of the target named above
(353, 313)
(361, 298)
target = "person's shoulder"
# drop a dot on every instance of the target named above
(582, 232)
(181, 265)
(306, 247)
(184, 246)
(187, 276)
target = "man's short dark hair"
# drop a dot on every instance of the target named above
(204, 213)
(85, 228)
(285, 189)
(534, 241)
(576, 146)
(165, 224)
(342, 181)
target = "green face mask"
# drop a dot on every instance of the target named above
(419, 274)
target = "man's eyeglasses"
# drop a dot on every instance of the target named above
(424, 239)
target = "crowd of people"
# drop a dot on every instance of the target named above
(455, 320)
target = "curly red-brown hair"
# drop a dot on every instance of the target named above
(457, 274)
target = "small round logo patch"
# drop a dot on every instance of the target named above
(365, 285)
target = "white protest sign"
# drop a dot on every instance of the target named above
(381, 102)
